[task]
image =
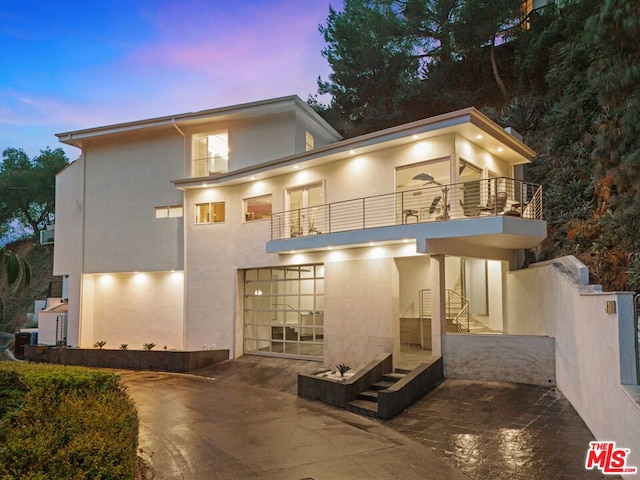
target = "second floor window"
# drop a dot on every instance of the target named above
(210, 212)
(210, 153)
(171, 211)
(257, 208)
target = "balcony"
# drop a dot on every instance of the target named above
(207, 166)
(500, 212)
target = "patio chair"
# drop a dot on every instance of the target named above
(495, 205)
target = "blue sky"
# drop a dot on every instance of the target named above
(73, 64)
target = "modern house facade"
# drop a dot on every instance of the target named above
(257, 228)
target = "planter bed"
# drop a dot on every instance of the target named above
(161, 360)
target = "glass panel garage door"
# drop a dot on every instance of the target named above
(284, 311)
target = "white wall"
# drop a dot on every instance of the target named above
(258, 141)
(361, 311)
(470, 152)
(495, 274)
(589, 347)
(501, 358)
(413, 276)
(47, 322)
(125, 181)
(137, 309)
(69, 235)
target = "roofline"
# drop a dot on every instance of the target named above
(75, 137)
(450, 119)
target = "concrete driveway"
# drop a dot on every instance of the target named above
(200, 428)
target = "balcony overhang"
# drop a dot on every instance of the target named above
(483, 236)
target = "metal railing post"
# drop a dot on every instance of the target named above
(364, 223)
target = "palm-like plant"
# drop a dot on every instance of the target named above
(14, 272)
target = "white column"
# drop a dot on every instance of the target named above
(438, 319)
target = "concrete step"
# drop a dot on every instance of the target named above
(402, 370)
(381, 385)
(363, 407)
(369, 395)
(393, 377)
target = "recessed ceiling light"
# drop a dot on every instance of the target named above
(479, 137)
(371, 244)
(415, 137)
(292, 251)
(500, 149)
(352, 152)
(204, 184)
(252, 177)
(295, 167)
(406, 240)
(329, 248)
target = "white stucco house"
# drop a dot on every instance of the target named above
(257, 228)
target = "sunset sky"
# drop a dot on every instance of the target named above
(74, 64)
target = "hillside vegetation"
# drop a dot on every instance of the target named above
(567, 79)
(18, 304)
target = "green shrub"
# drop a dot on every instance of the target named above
(12, 391)
(74, 423)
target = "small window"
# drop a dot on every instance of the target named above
(257, 208)
(170, 211)
(209, 212)
(309, 141)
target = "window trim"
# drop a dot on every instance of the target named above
(167, 209)
(211, 214)
(194, 161)
(309, 141)
(245, 213)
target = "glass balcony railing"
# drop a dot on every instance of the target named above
(431, 203)
(205, 167)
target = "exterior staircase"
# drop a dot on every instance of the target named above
(367, 402)
(474, 326)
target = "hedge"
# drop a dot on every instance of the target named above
(61, 422)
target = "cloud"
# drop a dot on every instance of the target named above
(273, 42)
(186, 56)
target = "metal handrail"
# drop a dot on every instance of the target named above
(456, 308)
(430, 203)
(461, 318)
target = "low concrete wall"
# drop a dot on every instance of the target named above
(503, 358)
(162, 360)
(416, 384)
(339, 393)
(595, 354)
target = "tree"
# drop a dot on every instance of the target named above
(484, 22)
(15, 274)
(614, 74)
(374, 69)
(28, 187)
(431, 21)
